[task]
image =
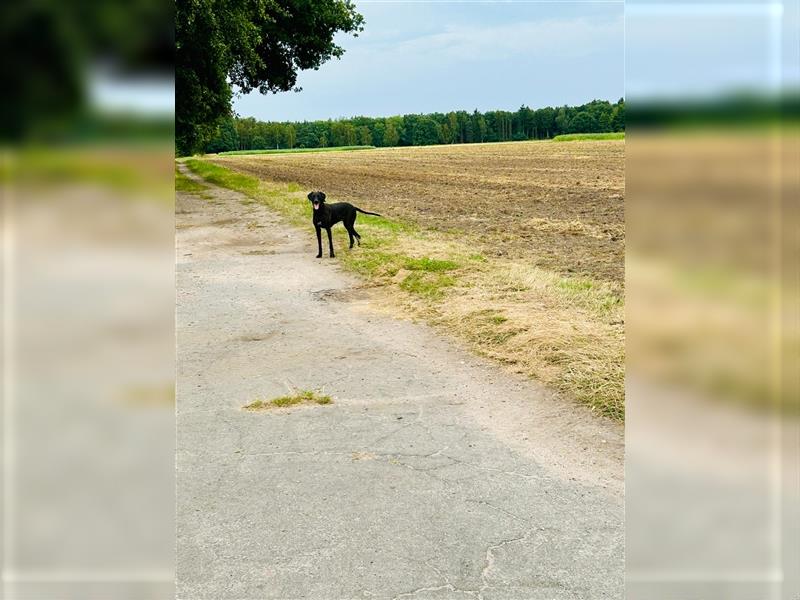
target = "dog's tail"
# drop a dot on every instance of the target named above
(366, 212)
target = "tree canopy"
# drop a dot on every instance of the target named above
(249, 44)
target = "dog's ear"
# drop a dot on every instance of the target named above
(309, 195)
(322, 196)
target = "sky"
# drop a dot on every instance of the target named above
(419, 57)
(723, 47)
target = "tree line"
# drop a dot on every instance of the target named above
(455, 127)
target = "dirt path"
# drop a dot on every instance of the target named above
(432, 475)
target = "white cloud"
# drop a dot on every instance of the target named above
(564, 38)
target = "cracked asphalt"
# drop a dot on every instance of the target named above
(434, 474)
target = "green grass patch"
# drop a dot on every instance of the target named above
(572, 137)
(301, 397)
(372, 263)
(595, 296)
(431, 265)
(478, 258)
(295, 150)
(224, 177)
(374, 242)
(185, 184)
(385, 224)
(576, 285)
(427, 285)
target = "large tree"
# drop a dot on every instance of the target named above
(248, 44)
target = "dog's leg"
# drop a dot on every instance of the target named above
(349, 223)
(319, 240)
(330, 243)
(358, 237)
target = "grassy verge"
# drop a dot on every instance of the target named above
(190, 186)
(566, 332)
(302, 397)
(572, 137)
(296, 150)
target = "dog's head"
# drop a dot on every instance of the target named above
(317, 199)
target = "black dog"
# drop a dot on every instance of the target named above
(327, 215)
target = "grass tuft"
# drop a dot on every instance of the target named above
(431, 265)
(372, 263)
(301, 397)
(576, 284)
(429, 286)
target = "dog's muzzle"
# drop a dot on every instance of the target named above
(316, 205)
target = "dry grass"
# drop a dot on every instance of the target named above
(564, 327)
(567, 333)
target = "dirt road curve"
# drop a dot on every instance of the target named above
(433, 474)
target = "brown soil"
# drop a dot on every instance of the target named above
(559, 205)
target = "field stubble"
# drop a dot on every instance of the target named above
(517, 249)
(559, 206)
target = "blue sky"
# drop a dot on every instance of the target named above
(723, 46)
(416, 57)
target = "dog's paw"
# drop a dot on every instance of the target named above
(319, 256)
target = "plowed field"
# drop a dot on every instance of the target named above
(559, 205)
